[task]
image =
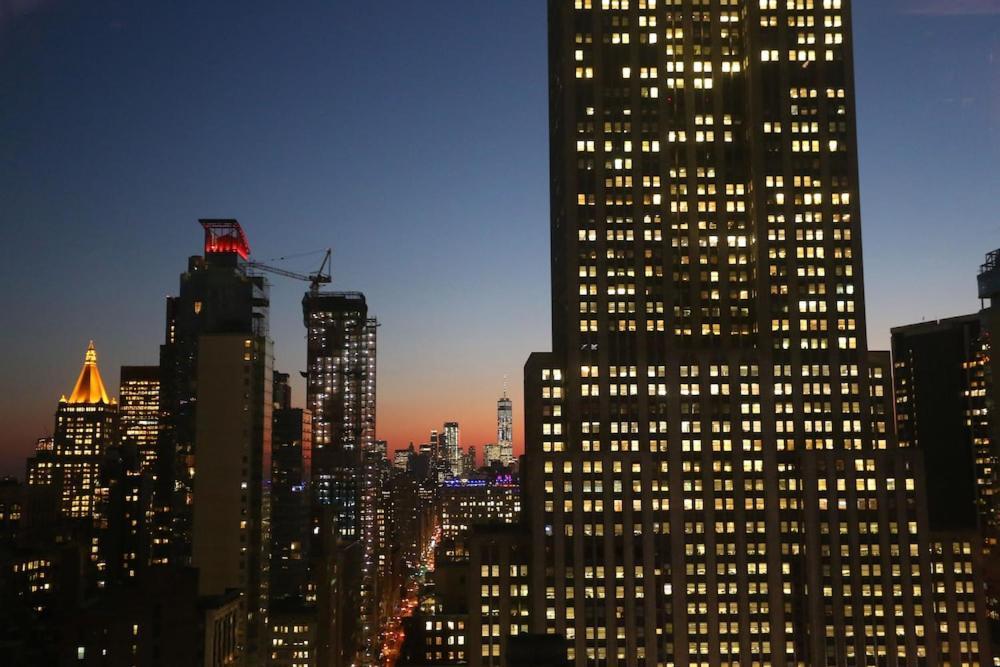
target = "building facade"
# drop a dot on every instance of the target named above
(291, 518)
(85, 427)
(700, 454)
(340, 393)
(936, 367)
(139, 411)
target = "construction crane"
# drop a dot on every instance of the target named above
(320, 277)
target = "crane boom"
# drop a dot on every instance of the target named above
(320, 277)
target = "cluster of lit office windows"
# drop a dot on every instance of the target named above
(444, 641)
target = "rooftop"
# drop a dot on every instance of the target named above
(89, 386)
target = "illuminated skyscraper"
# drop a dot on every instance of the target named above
(452, 449)
(505, 428)
(139, 411)
(705, 484)
(85, 427)
(340, 393)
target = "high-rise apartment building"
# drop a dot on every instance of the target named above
(340, 393)
(505, 429)
(139, 411)
(214, 458)
(700, 452)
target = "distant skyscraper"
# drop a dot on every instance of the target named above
(401, 458)
(469, 460)
(451, 449)
(214, 459)
(505, 428)
(139, 411)
(491, 454)
(704, 482)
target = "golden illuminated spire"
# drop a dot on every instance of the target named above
(89, 386)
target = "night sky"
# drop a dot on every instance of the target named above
(412, 138)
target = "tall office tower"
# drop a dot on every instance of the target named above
(491, 454)
(214, 459)
(505, 429)
(435, 444)
(699, 442)
(340, 393)
(291, 471)
(451, 450)
(439, 462)
(85, 427)
(139, 411)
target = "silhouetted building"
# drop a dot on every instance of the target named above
(124, 515)
(293, 633)
(538, 651)
(936, 408)
(12, 500)
(214, 466)
(157, 620)
(291, 473)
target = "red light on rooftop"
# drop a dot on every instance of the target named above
(225, 236)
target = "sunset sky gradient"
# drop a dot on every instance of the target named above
(412, 138)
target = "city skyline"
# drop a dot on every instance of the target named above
(730, 251)
(497, 243)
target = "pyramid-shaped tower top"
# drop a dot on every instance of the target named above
(89, 386)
